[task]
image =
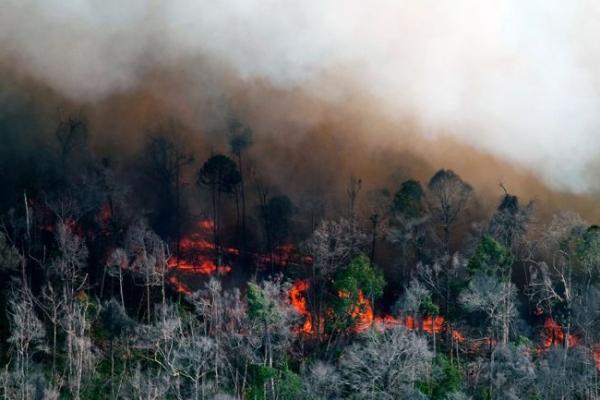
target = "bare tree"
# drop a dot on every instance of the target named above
(448, 198)
(331, 247)
(81, 354)
(167, 160)
(322, 382)
(27, 337)
(147, 385)
(352, 191)
(553, 275)
(71, 133)
(147, 259)
(385, 365)
(240, 139)
(378, 206)
(69, 266)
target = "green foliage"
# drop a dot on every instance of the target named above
(359, 275)
(408, 200)
(587, 248)
(428, 307)
(286, 383)
(446, 378)
(115, 320)
(258, 306)
(490, 257)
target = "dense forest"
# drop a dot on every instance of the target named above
(173, 277)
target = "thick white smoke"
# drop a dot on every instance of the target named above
(518, 78)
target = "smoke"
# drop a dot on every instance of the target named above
(520, 80)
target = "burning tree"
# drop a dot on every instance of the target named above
(357, 287)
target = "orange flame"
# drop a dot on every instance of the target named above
(283, 256)
(299, 302)
(362, 313)
(433, 325)
(597, 356)
(179, 285)
(197, 257)
(555, 336)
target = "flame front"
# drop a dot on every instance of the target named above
(298, 298)
(555, 336)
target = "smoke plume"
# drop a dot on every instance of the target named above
(518, 81)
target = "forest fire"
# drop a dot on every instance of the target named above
(197, 253)
(364, 316)
(433, 324)
(299, 301)
(178, 285)
(362, 313)
(283, 256)
(555, 336)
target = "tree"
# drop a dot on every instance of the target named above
(494, 260)
(385, 365)
(509, 222)
(573, 378)
(360, 280)
(147, 257)
(556, 279)
(496, 299)
(416, 303)
(407, 228)
(514, 373)
(331, 246)
(221, 175)
(268, 305)
(81, 352)
(167, 160)
(409, 200)
(27, 337)
(378, 206)
(276, 218)
(70, 264)
(240, 140)
(71, 134)
(446, 379)
(116, 323)
(10, 260)
(322, 382)
(448, 198)
(352, 191)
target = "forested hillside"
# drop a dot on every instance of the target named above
(166, 276)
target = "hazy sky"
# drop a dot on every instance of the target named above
(518, 78)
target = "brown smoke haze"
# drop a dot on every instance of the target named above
(501, 92)
(304, 144)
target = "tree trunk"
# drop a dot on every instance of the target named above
(243, 198)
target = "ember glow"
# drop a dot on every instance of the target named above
(554, 335)
(283, 256)
(198, 253)
(298, 298)
(362, 313)
(178, 285)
